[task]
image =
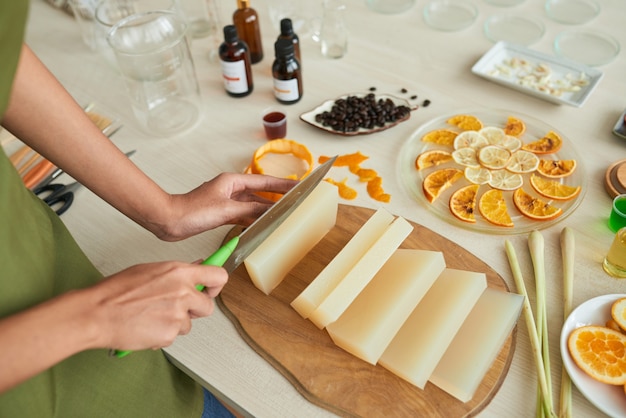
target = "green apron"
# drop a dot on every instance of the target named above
(40, 260)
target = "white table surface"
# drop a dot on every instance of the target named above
(389, 52)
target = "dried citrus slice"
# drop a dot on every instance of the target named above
(493, 157)
(492, 207)
(533, 207)
(432, 158)
(505, 180)
(465, 156)
(438, 181)
(466, 122)
(471, 139)
(440, 136)
(514, 126)
(553, 188)
(550, 143)
(463, 203)
(600, 352)
(477, 175)
(556, 168)
(493, 134)
(511, 143)
(522, 162)
(618, 312)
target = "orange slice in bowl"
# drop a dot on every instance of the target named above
(432, 158)
(493, 208)
(600, 352)
(553, 189)
(534, 208)
(551, 142)
(466, 122)
(514, 126)
(438, 181)
(463, 203)
(556, 168)
(440, 136)
(618, 312)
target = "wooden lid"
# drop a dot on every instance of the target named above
(615, 178)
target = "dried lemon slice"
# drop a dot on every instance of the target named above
(551, 142)
(493, 134)
(505, 180)
(553, 188)
(492, 207)
(523, 162)
(556, 168)
(493, 157)
(470, 139)
(432, 158)
(438, 181)
(466, 122)
(477, 175)
(533, 207)
(463, 203)
(465, 156)
(600, 352)
(440, 136)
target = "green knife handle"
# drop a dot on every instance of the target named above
(218, 258)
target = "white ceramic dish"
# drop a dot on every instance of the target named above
(450, 15)
(588, 47)
(514, 28)
(310, 116)
(412, 179)
(563, 70)
(607, 398)
(572, 12)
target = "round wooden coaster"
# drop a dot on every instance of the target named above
(615, 178)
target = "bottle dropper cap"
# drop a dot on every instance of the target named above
(230, 34)
(283, 47)
(286, 27)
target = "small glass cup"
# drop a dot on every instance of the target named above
(390, 6)
(617, 219)
(333, 31)
(615, 261)
(275, 124)
(153, 55)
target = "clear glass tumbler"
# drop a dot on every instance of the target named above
(333, 31)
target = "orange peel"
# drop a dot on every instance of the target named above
(347, 160)
(345, 191)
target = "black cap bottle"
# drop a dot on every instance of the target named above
(236, 64)
(286, 73)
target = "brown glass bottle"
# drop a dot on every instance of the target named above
(286, 32)
(246, 21)
(286, 73)
(235, 61)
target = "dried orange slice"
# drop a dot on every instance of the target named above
(600, 352)
(465, 156)
(463, 203)
(470, 139)
(493, 157)
(477, 175)
(492, 207)
(618, 312)
(533, 207)
(466, 122)
(505, 180)
(522, 161)
(556, 168)
(551, 142)
(553, 188)
(514, 126)
(438, 181)
(432, 158)
(440, 136)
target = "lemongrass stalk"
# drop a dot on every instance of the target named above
(532, 330)
(567, 253)
(536, 247)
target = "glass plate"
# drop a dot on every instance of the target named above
(450, 15)
(513, 28)
(587, 47)
(607, 398)
(412, 179)
(572, 12)
(504, 3)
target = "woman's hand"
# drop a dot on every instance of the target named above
(229, 198)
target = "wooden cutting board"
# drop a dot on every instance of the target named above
(325, 374)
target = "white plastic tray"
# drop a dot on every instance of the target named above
(493, 67)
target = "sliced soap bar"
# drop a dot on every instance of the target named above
(294, 238)
(361, 273)
(340, 265)
(416, 349)
(477, 344)
(369, 324)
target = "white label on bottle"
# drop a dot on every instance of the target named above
(286, 90)
(234, 74)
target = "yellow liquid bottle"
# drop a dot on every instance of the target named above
(615, 260)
